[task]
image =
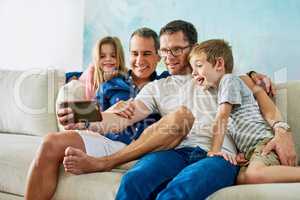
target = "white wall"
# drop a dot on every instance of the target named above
(41, 33)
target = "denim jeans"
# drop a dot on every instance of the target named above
(185, 173)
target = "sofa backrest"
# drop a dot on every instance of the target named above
(27, 101)
(288, 94)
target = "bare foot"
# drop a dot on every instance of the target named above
(77, 162)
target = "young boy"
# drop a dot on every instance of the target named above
(212, 64)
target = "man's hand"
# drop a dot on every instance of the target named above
(265, 82)
(226, 156)
(66, 118)
(283, 145)
(123, 108)
(240, 159)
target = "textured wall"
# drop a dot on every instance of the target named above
(264, 34)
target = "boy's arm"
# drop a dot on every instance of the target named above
(219, 130)
(219, 127)
(283, 142)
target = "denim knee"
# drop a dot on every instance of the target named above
(129, 187)
(200, 179)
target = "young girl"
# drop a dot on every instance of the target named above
(108, 62)
(212, 64)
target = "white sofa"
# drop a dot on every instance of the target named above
(27, 112)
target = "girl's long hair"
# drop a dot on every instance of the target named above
(99, 77)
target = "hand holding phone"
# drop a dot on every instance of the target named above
(84, 111)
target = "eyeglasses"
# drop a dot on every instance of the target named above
(176, 51)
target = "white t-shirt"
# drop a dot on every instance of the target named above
(166, 95)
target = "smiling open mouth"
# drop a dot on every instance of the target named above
(112, 66)
(200, 81)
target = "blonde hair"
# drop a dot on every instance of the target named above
(214, 49)
(98, 72)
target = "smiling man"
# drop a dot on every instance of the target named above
(143, 57)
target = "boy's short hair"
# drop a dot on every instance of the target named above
(214, 49)
(188, 29)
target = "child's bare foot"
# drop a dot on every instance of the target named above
(78, 162)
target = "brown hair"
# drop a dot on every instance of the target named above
(145, 32)
(187, 28)
(99, 73)
(214, 49)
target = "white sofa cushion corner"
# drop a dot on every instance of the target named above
(28, 100)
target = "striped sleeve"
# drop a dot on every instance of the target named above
(230, 90)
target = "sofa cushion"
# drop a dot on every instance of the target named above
(7, 196)
(88, 186)
(72, 91)
(288, 95)
(16, 153)
(28, 100)
(286, 191)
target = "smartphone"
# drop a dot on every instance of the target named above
(84, 110)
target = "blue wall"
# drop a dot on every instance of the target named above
(264, 34)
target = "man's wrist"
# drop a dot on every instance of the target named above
(87, 124)
(281, 125)
(96, 127)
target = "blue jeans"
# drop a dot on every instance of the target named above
(185, 173)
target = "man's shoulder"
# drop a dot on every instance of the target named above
(160, 86)
(161, 81)
(164, 74)
(170, 82)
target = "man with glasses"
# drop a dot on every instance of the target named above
(176, 51)
(185, 172)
